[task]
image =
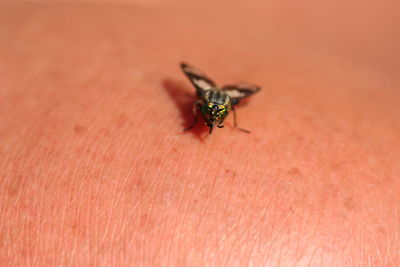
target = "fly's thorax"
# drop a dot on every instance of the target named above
(218, 97)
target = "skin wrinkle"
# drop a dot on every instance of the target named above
(113, 205)
(137, 206)
(145, 194)
(389, 256)
(38, 198)
(372, 223)
(214, 190)
(14, 156)
(243, 242)
(170, 245)
(129, 174)
(163, 227)
(82, 214)
(228, 228)
(216, 220)
(99, 236)
(315, 233)
(138, 157)
(226, 208)
(56, 177)
(262, 218)
(279, 228)
(396, 233)
(316, 248)
(377, 249)
(78, 209)
(298, 240)
(335, 254)
(220, 243)
(16, 215)
(351, 231)
(211, 211)
(324, 241)
(230, 252)
(193, 193)
(157, 175)
(114, 199)
(75, 198)
(385, 259)
(61, 173)
(250, 248)
(387, 253)
(214, 257)
(272, 227)
(203, 168)
(159, 170)
(225, 211)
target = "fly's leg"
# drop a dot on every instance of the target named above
(208, 123)
(195, 107)
(235, 123)
(220, 124)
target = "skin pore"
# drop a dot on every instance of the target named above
(96, 169)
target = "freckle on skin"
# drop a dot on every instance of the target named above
(294, 170)
(133, 186)
(78, 129)
(108, 157)
(121, 121)
(227, 171)
(13, 187)
(335, 166)
(74, 226)
(156, 162)
(381, 230)
(349, 204)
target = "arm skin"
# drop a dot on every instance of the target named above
(96, 170)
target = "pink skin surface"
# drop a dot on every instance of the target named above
(95, 169)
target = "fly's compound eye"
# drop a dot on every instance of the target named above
(216, 109)
(213, 106)
(222, 109)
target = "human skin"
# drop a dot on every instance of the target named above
(96, 170)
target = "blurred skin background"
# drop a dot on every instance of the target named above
(95, 169)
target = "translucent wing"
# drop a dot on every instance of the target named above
(239, 91)
(198, 79)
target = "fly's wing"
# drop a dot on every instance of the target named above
(239, 91)
(198, 79)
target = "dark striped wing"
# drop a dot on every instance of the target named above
(239, 91)
(198, 79)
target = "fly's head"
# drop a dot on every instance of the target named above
(214, 113)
